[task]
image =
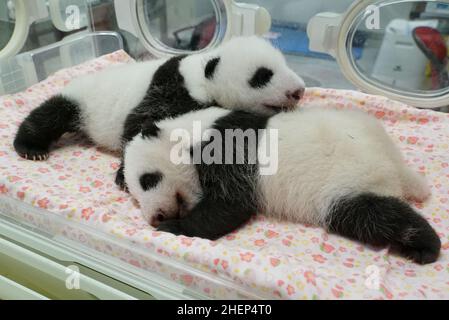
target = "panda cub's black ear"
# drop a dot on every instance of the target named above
(211, 66)
(150, 129)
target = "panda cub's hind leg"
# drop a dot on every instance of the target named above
(45, 125)
(385, 221)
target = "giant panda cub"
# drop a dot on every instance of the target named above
(336, 169)
(110, 106)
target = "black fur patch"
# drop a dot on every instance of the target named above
(45, 125)
(211, 66)
(166, 97)
(382, 221)
(150, 180)
(120, 178)
(261, 78)
(150, 130)
(229, 196)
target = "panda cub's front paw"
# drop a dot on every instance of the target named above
(30, 152)
(120, 179)
(172, 226)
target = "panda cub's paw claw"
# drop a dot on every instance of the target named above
(423, 246)
(120, 180)
(420, 256)
(35, 156)
(122, 185)
(31, 151)
(172, 226)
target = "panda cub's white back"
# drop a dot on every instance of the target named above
(322, 155)
(105, 99)
(327, 154)
(337, 169)
(109, 106)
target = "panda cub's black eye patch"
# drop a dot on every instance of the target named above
(211, 66)
(261, 78)
(150, 180)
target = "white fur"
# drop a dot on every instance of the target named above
(323, 155)
(145, 155)
(328, 154)
(240, 58)
(107, 97)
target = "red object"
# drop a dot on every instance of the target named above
(205, 32)
(432, 44)
(432, 40)
(202, 34)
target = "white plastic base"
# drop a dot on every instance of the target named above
(33, 266)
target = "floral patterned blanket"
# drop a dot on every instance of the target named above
(269, 258)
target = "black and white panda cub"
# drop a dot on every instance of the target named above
(110, 106)
(335, 169)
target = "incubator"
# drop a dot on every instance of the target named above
(393, 49)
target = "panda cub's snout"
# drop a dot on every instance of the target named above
(290, 101)
(296, 95)
(178, 210)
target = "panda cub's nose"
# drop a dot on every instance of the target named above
(295, 95)
(157, 219)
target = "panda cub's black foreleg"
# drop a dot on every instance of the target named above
(383, 221)
(210, 219)
(120, 177)
(230, 192)
(45, 125)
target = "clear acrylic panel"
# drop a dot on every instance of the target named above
(289, 33)
(406, 50)
(30, 67)
(189, 25)
(69, 15)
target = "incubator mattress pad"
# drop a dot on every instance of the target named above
(265, 258)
